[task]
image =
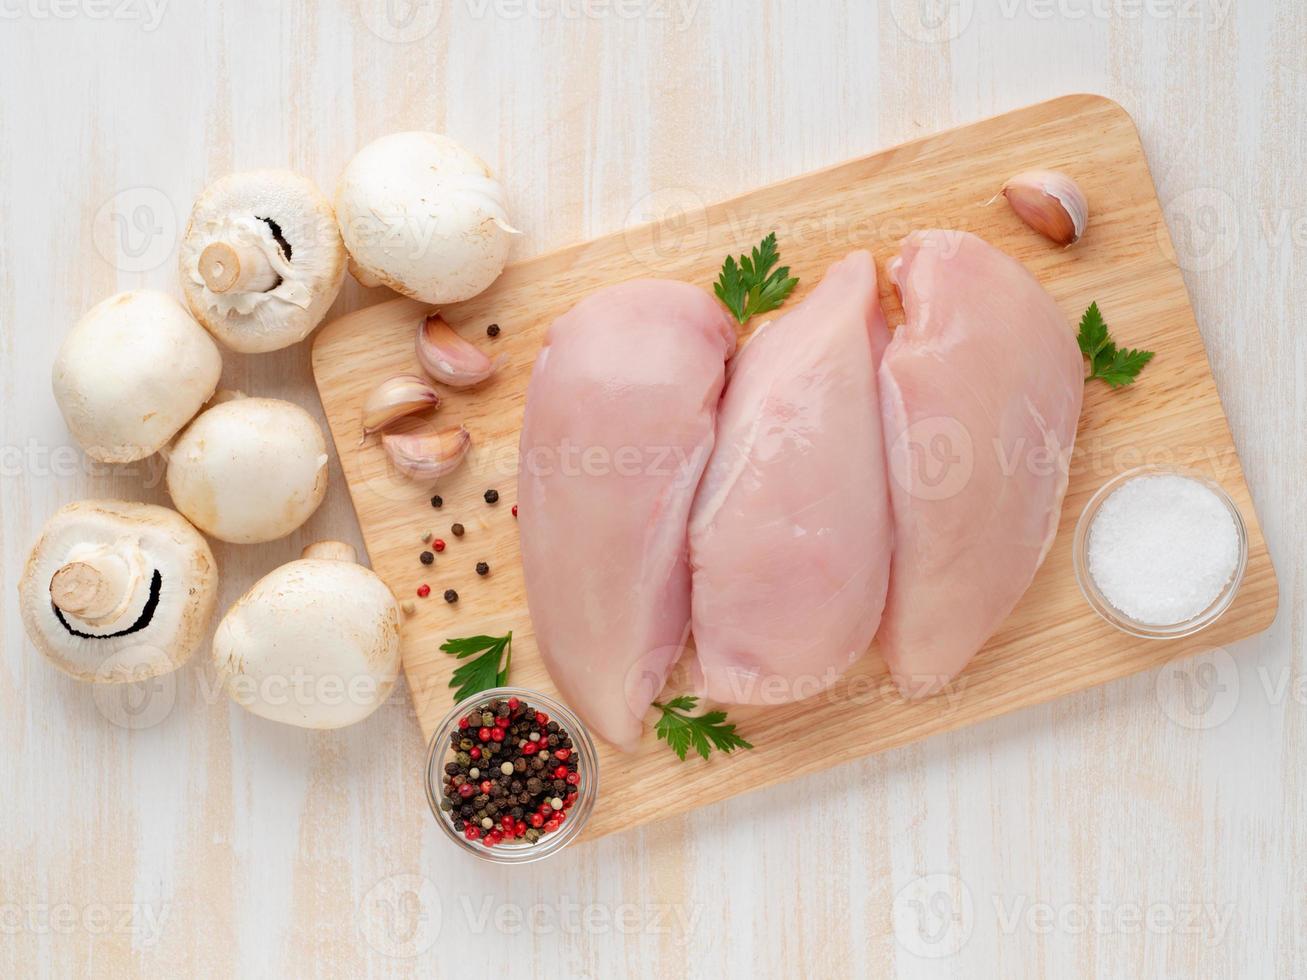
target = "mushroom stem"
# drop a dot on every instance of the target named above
(332, 551)
(96, 589)
(236, 268)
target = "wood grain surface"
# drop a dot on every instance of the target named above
(1052, 644)
(1155, 826)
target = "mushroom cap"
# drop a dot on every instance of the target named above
(127, 650)
(424, 216)
(133, 370)
(249, 470)
(314, 643)
(242, 209)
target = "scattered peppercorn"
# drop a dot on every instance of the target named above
(456, 530)
(426, 557)
(492, 496)
(495, 804)
(492, 330)
(438, 544)
(515, 510)
(424, 590)
(483, 568)
(451, 595)
(437, 501)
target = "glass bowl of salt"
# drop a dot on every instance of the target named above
(1160, 552)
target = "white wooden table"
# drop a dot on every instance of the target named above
(1155, 827)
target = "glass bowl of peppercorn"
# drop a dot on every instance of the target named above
(512, 775)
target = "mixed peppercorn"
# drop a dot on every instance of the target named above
(437, 545)
(512, 776)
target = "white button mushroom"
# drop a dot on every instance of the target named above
(249, 469)
(262, 259)
(314, 643)
(424, 216)
(116, 591)
(132, 372)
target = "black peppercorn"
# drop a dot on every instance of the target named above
(437, 501)
(492, 330)
(492, 496)
(451, 595)
(483, 568)
(456, 530)
(427, 557)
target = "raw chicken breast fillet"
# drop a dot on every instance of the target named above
(981, 391)
(618, 429)
(790, 532)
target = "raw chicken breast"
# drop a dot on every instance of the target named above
(981, 391)
(790, 532)
(618, 429)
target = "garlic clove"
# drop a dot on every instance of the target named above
(394, 398)
(449, 358)
(427, 455)
(1049, 202)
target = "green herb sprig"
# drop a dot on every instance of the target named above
(751, 286)
(1117, 366)
(484, 672)
(704, 732)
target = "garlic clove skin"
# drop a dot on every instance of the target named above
(427, 455)
(394, 398)
(449, 358)
(1049, 202)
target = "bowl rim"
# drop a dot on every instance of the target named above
(1099, 602)
(587, 790)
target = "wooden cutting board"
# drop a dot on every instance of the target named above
(1052, 643)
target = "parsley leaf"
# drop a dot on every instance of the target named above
(751, 286)
(483, 673)
(1107, 362)
(682, 731)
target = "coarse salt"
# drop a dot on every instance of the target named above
(1162, 548)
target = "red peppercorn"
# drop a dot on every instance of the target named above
(464, 722)
(466, 790)
(515, 510)
(562, 755)
(542, 718)
(546, 810)
(514, 704)
(560, 772)
(530, 748)
(476, 754)
(471, 832)
(485, 786)
(560, 816)
(572, 779)
(570, 798)
(438, 544)
(496, 734)
(424, 591)
(537, 820)
(551, 826)
(502, 722)
(483, 733)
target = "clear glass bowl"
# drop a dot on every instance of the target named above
(587, 789)
(1116, 617)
